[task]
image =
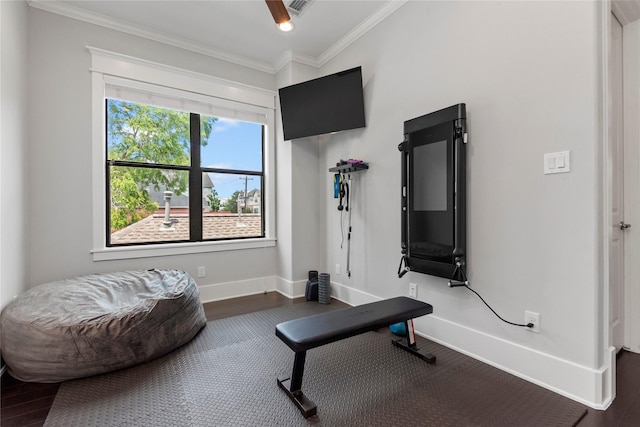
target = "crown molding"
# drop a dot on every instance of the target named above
(390, 7)
(626, 11)
(290, 56)
(74, 12)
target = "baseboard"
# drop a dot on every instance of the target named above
(240, 288)
(221, 291)
(574, 381)
(577, 382)
(350, 295)
(290, 289)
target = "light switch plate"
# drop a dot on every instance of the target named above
(559, 162)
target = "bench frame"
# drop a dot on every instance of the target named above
(292, 384)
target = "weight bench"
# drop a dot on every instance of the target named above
(314, 331)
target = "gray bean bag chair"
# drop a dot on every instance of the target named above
(99, 323)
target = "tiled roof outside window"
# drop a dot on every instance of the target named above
(214, 226)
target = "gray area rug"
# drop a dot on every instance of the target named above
(227, 375)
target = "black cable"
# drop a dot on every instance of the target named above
(465, 283)
(528, 325)
(341, 230)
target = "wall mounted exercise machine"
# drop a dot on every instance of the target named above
(434, 194)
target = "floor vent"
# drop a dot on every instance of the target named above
(296, 7)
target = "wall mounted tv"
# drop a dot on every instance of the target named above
(327, 104)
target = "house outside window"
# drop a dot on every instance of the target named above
(183, 162)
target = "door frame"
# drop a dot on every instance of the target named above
(615, 132)
(629, 17)
(628, 13)
(631, 129)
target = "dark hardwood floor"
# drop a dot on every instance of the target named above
(27, 404)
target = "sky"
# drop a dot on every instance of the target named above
(233, 145)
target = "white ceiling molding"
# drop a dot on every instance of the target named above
(73, 12)
(359, 31)
(343, 43)
(290, 56)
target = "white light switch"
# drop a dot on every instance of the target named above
(551, 163)
(557, 162)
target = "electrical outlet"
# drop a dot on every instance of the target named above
(413, 290)
(337, 269)
(202, 272)
(531, 317)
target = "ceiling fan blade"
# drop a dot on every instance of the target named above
(278, 11)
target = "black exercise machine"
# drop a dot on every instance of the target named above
(314, 331)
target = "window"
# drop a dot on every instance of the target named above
(183, 162)
(166, 182)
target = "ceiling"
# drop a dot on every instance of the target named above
(240, 31)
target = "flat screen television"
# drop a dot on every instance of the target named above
(327, 104)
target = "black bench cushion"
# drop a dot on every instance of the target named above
(314, 331)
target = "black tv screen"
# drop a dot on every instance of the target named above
(323, 105)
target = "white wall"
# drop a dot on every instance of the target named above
(299, 229)
(13, 150)
(60, 192)
(529, 75)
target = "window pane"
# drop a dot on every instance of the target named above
(232, 144)
(228, 213)
(143, 133)
(138, 198)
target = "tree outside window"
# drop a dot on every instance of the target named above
(155, 186)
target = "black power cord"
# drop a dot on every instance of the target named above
(465, 283)
(527, 325)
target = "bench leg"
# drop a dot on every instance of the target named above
(292, 386)
(411, 346)
(298, 370)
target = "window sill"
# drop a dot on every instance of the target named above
(169, 249)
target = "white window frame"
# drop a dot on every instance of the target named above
(105, 66)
